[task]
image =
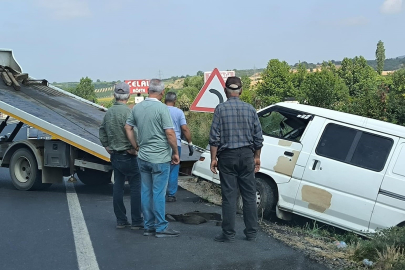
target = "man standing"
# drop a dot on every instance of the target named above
(180, 126)
(123, 158)
(236, 139)
(158, 146)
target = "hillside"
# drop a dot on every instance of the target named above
(104, 89)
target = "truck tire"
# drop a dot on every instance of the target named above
(94, 177)
(24, 171)
(265, 198)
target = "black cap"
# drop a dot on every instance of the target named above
(233, 83)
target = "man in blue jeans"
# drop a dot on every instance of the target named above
(180, 126)
(157, 148)
(123, 158)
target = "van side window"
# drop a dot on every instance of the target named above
(355, 147)
(287, 125)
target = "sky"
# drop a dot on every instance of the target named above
(64, 40)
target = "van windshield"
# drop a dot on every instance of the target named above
(288, 125)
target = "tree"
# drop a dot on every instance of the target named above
(380, 56)
(323, 89)
(98, 80)
(200, 73)
(85, 89)
(357, 75)
(276, 83)
(299, 77)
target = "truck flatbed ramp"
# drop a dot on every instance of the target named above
(57, 113)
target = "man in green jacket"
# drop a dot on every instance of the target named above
(123, 158)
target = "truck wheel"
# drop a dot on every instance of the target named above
(24, 171)
(265, 199)
(94, 177)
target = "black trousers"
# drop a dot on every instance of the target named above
(236, 170)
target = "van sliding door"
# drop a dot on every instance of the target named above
(343, 175)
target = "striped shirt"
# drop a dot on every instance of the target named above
(235, 125)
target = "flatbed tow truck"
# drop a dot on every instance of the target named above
(70, 124)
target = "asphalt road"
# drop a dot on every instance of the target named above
(36, 233)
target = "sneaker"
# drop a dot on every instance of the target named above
(137, 226)
(167, 233)
(149, 232)
(171, 199)
(122, 225)
(222, 238)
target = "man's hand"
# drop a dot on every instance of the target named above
(175, 159)
(108, 150)
(214, 165)
(257, 164)
(132, 151)
(190, 149)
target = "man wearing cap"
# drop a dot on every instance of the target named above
(236, 140)
(158, 148)
(180, 126)
(123, 158)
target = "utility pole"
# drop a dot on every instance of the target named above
(160, 75)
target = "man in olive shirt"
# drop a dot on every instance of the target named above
(123, 159)
(158, 147)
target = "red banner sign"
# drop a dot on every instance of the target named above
(138, 86)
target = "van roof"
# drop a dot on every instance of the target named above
(352, 119)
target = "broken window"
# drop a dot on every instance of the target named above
(284, 124)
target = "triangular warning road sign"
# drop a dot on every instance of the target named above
(211, 94)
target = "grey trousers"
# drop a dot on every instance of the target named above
(236, 170)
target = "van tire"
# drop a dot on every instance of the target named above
(266, 199)
(94, 177)
(24, 171)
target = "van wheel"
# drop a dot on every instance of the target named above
(24, 171)
(94, 177)
(265, 199)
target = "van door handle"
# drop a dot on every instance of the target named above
(314, 166)
(289, 154)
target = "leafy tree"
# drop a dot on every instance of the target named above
(357, 75)
(85, 89)
(396, 98)
(246, 82)
(195, 81)
(323, 89)
(299, 77)
(200, 73)
(98, 80)
(276, 83)
(380, 56)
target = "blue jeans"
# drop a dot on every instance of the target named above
(173, 178)
(126, 168)
(154, 178)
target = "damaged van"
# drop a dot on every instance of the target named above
(337, 168)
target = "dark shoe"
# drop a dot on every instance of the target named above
(171, 199)
(251, 238)
(122, 225)
(149, 232)
(137, 226)
(222, 238)
(167, 233)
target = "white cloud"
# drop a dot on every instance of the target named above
(66, 9)
(391, 6)
(354, 21)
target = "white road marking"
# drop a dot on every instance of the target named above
(86, 257)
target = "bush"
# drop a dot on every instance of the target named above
(199, 125)
(383, 242)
